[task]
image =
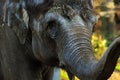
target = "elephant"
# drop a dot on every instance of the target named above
(58, 33)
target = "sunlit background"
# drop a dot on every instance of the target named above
(106, 30)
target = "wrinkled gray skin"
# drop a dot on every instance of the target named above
(65, 33)
(61, 37)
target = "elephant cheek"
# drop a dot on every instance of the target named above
(42, 53)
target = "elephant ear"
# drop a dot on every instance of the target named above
(18, 21)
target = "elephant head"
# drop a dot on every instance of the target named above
(62, 37)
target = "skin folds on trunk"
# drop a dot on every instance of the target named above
(78, 53)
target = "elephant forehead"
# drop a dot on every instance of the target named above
(80, 3)
(72, 3)
(59, 6)
(69, 1)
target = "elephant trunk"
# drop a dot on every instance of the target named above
(78, 54)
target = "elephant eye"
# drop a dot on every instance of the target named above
(53, 32)
(52, 29)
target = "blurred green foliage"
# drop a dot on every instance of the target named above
(99, 45)
(118, 67)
